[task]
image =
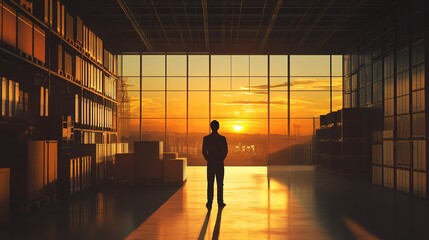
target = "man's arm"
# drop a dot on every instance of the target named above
(225, 148)
(204, 149)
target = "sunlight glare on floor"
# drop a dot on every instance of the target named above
(257, 208)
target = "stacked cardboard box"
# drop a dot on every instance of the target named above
(147, 160)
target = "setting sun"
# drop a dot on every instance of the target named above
(237, 128)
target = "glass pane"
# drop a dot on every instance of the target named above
(258, 65)
(402, 83)
(221, 83)
(337, 83)
(131, 83)
(309, 65)
(278, 140)
(198, 83)
(278, 127)
(119, 65)
(198, 126)
(337, 65)
(377, 91)
(129, 130)
(403, 125)
(197, 129)
(419, 125)
(153, 65)
(377, 71)
(278, 104)
(153, 129)
(337, 100)
(176, 136)
(176, 83)
(240, 83)
(153, 105)
(198, 65)
(239, 105)
(176, 65)
(198, 105)
(259, 83)
(402, 60)
(278, 65)
(278, 83)
(418, 77)
(310, 83)
(176, 104)
(309, 103)
(221, 65)
(133, 110)
(131, 65)
(301, 130)
(153, 83)
(244, 126)
(247, 140)
(418, 101)
(240, 65)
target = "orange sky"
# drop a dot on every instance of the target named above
(239, 96)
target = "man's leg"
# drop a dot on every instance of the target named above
(219, 180)
(210, 185)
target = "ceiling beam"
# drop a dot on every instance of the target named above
(271, 24)
(135, 24)
(260, 21)
(338, 23)
(315, 24)
(159, 21)
(238, 24)
(206, 22)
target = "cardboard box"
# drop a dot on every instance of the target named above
(175, 170)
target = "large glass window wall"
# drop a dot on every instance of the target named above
(265, 103)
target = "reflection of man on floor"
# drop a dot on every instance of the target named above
(215, 150)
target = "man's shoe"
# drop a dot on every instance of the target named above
(221, 205)
(208, 206)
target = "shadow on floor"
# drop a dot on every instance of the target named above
(110, 212)
(350, 208)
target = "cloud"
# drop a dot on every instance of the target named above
(307, 83)
(259, 93)
(247, 102)
(263, 86)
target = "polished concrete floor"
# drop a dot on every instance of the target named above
(287, 203)
(262, 203)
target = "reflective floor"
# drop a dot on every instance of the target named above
(262, 203)
(110, 212)
(287, 203)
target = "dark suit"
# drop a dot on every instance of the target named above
(215, 150)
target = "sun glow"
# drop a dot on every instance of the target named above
(237, 128)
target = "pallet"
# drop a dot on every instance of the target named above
(69, 77)
(77, 42)
(25, 55)
(38, 62)
(70, 41)
(78, 46)
(27, 5)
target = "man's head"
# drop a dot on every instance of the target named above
(214, 126)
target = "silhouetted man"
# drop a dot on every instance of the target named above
(215, 150)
